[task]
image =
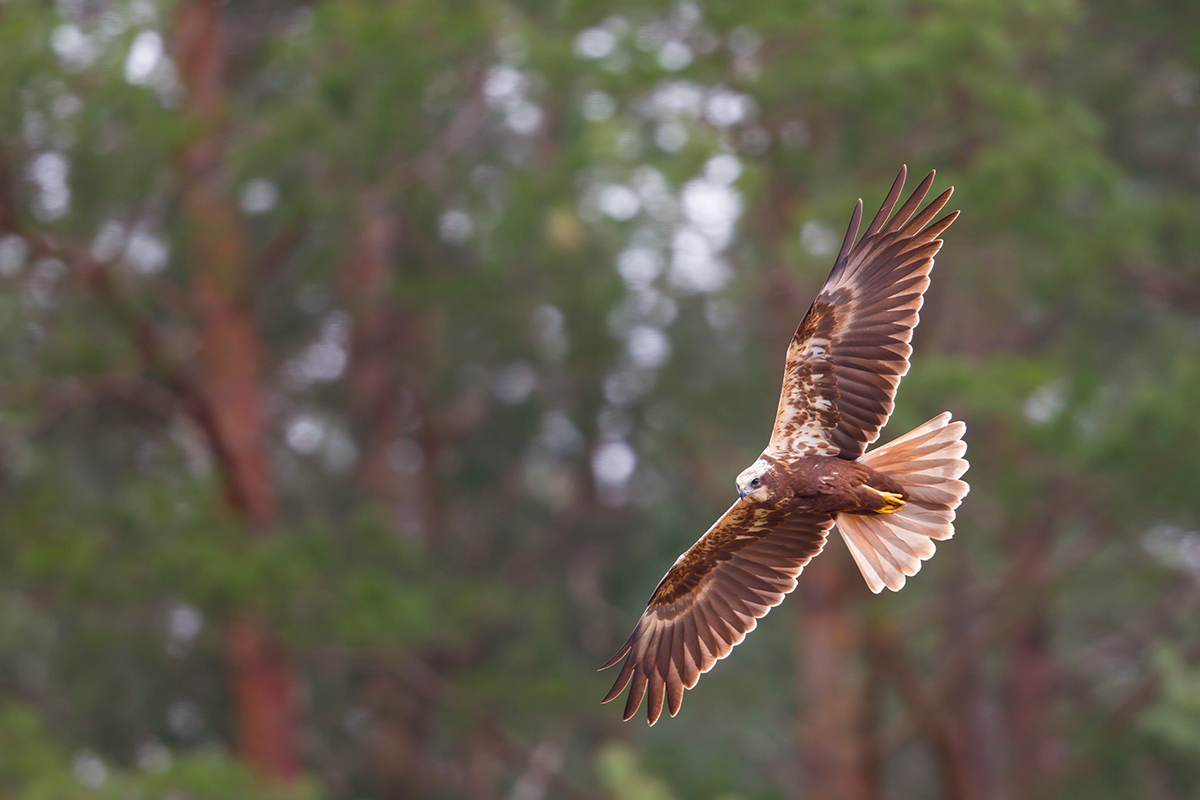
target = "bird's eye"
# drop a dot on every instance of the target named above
(756, 482)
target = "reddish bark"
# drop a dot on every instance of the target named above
(1037, 752)
(967, 695)
(265, 695)
(363, 286)
(230, 385)
(834, 734)
(229, 355)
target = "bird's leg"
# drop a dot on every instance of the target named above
(892, 502)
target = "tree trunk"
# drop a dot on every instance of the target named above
(835, 732)
(1036, 754)
(1036, 751)
(266, 703)
(928, 711)
(364, 288)
(230, 386)
(970, 699)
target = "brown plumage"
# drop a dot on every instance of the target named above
(843, 366)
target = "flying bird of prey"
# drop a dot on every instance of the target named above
(843, 366)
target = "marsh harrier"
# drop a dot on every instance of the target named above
(890, 504)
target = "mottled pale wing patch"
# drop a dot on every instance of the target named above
(850, 351)
(808, 412)
(710, 599)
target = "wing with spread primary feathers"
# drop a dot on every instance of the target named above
(852, 347)
(711, 598)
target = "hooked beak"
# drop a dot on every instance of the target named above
(742, 493)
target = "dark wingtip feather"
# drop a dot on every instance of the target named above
(659, 683)
(851, 234)
(889, 202)
(929, 212)
(636, 692)
(910, 205)
(674, 694)
(621, 682)
(654, 699)
(943, 223)
(625, 648)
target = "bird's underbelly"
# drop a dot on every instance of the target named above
(834, 485)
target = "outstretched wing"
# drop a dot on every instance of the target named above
(852, 347)
(711, 598)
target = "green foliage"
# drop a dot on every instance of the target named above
(33, 766)
(623, 776)
(1175, 718)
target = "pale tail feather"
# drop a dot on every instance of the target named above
(927, 462)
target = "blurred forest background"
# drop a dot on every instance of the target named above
(363, 365)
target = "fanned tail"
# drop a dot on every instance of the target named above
(927, 462)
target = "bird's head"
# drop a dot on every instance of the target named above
(757, 483)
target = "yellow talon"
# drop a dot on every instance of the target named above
(894, 502)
